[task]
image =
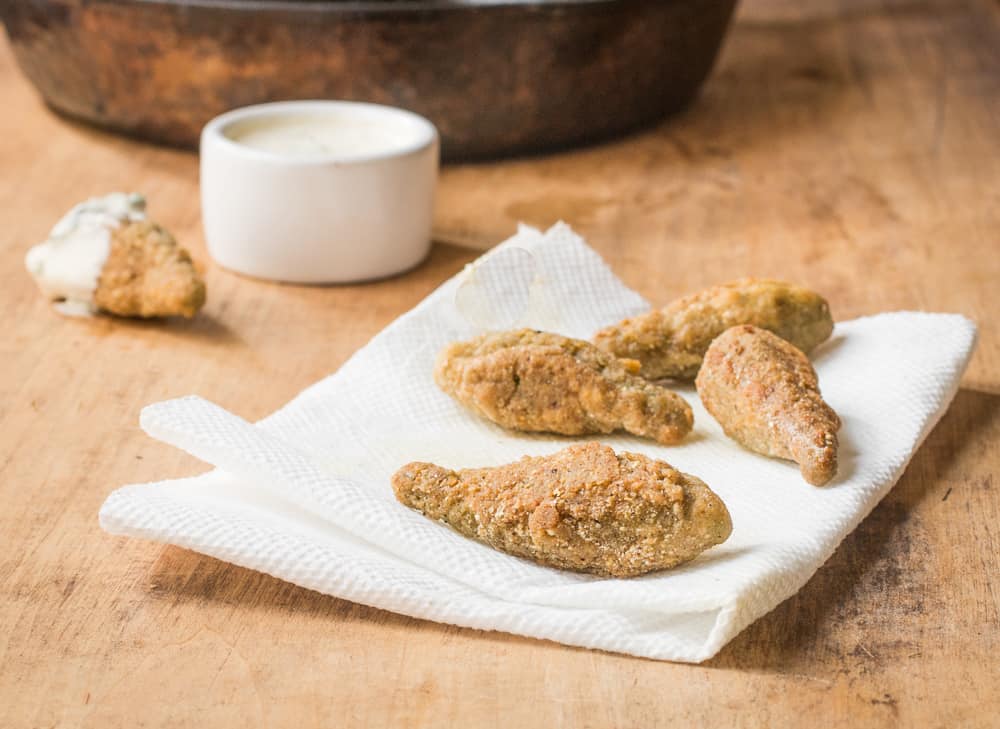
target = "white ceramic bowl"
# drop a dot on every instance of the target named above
(318, 191)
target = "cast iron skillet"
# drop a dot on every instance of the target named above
(496, 77)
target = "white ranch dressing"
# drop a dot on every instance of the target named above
(323, 135)
(68, 264)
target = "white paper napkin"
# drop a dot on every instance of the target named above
(304, 494)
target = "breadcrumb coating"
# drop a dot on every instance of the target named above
(584, 509)
(672, 341)
(148, 274)
(537, 381)
(765, 394)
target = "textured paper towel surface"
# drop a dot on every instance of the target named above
(304, 495)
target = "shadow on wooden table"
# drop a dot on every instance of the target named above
(204, 328)
(879, 561)
(877, 574)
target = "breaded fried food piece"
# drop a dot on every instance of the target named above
(584, 508)
(537, 381)
(765, 394)
(147, 274)
(671, 342)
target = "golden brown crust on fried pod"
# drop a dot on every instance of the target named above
(765, 394)
(537, 381)
(148, 274)
(670, 342)
(584, 508)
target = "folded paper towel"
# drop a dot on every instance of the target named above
(304, 495)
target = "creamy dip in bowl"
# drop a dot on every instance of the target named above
(318, 191)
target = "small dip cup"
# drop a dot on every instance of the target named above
(318, 191)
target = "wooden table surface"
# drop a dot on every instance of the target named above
(853, 145)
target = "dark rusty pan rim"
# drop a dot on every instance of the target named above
(370, 7)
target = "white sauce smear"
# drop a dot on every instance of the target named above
(68, 264)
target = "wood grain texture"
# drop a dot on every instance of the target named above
(849, 144)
